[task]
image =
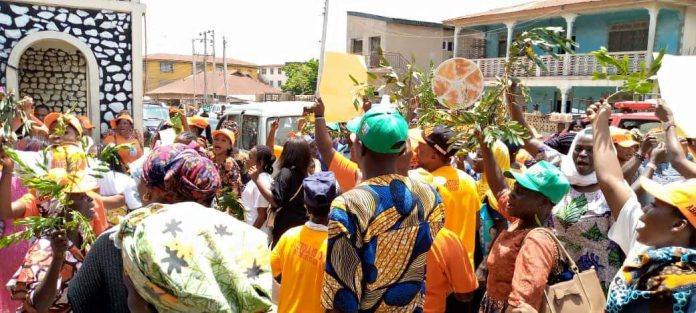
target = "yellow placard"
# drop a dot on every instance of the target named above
(675, 89)
(336, 87)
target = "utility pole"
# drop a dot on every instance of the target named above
(205, 67)
(193, 72)
(323, 43)
(224, 64)
(212, 34)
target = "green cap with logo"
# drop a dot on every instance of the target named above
(382, 130)
(543, 178)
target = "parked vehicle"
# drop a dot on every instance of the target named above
(631, 114)
(254, 121)
(154, 113)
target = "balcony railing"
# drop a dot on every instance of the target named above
(395, 59)
(565, 65)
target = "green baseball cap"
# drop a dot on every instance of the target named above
(544, 178)
(382, 129)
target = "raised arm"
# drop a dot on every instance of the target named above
(607, 167)
(630, 168)
(8, 209)
(531, 144)
(679, 161)
(658, 156)
(47, 290)
(270, 139)
(264, 190)
(321, 133)
(496, 180)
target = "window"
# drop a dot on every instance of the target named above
(286, 125)
(280, 70)
(628, 37)
(271, 83)
(356, 46)
(166, 67)
(219, 67)
(280, 83)
(263, 71)
(199, 67)
(450, 46)
(250, 133)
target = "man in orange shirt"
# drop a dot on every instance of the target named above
(297, 261)
(459, 194)
(347, 172)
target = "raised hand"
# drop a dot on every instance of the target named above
(319, 107)
(275, 124)
(659, 154)
(5, 161)
(59, 243)
(663, 112)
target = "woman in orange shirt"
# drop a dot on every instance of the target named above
(122, 132)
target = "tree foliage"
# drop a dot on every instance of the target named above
(638, 82)
(302, 77)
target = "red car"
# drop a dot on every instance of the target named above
(645, 121)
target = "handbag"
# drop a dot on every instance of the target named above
(582, 294)
(270, 219)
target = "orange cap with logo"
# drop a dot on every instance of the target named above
(681, 195)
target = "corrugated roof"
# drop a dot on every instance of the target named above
(199, 58)
(396, 20)
(237, 84)
(529, 7)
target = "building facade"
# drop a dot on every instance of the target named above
(627, 28)
(273, 75)
(163, 69)
(74, 52)
(402, 41)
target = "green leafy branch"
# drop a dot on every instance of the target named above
(634, 82)
(10, 110)
(228, 202)
(47, 188)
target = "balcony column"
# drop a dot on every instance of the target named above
(570, 20)
(510, 31)
(654, 11)
(565, 93)
(456, 41)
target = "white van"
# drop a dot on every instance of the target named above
(254, 121)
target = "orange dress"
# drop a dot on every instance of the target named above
(127, 155)
(519, 264)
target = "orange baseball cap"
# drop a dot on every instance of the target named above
(681, 195)
(622, 137)
(225, 132)
(198, 121)
(126, 117)
(68, 119)
(86, 124)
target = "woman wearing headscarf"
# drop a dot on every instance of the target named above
(171, 174)
(659, 274)
(582, 219)
(122, 132)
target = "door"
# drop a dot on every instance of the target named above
(375, 47)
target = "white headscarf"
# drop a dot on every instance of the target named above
(568, 165)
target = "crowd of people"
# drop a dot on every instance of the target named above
(371, 215)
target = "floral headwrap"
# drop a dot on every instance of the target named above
(182, 173)
(188, 258)
(658, 273)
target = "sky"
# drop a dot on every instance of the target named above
(279, 31)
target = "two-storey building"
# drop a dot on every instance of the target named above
(627, 28)
(163, 68)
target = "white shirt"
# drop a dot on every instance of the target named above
(252, 199)
(623, 232)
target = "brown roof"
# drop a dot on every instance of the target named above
(188, 58)
(237, 84)
(531, 8)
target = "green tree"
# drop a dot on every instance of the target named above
(302, 77)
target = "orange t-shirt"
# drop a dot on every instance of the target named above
(99, 222)
(448, 271)
(345, 171)
(127, 155)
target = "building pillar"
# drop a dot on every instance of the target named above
(565, 94)
(510, 32)
(654, 11)
(570, 20)
(456, 41)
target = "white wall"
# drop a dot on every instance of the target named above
(689, 39)
(272, 79)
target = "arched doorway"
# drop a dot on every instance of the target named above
(57, 70)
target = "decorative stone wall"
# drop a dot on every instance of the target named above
(55, 78)
(107, 33)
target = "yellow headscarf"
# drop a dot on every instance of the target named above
(502, 158)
